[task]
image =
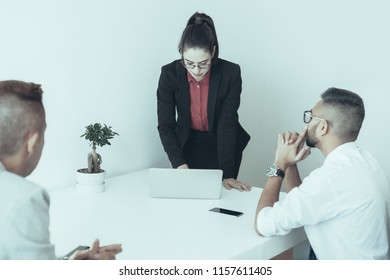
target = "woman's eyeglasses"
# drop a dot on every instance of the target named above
(191, 65)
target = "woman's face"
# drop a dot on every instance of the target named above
(197, 62)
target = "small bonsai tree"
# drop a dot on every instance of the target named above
(98, 135)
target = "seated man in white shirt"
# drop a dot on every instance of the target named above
(344, 205)
(24, 206)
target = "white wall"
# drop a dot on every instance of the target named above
(99, 61)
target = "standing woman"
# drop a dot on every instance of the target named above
(197, 101)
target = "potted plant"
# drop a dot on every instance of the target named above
(91, 179)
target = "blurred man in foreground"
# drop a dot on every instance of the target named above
(24, 206)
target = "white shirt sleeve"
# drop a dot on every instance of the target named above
(311, 203)
(266, 223)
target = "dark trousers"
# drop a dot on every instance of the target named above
(201, 152)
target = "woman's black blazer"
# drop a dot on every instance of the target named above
(174, 112)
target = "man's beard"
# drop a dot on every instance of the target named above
(312, 141)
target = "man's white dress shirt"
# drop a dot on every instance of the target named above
(344, 207)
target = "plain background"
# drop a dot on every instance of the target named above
(99, 61)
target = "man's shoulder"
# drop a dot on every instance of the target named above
(24, 219)
(9, 178)
(16, 188)
(319, 177)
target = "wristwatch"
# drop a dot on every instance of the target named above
(274, 171)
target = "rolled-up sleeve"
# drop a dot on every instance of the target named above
(311, 203)
(268, 222)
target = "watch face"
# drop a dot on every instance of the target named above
(274, 171)
(271, 171)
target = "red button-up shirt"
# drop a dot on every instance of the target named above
(199, 92)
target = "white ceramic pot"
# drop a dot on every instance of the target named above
(90, 182)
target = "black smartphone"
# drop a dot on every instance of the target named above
(66, 257)
(226, 211)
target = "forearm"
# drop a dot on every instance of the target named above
(270, 193)
(269, 196)
(292, 178)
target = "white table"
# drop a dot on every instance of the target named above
(151, 228)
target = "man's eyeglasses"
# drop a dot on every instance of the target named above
(308, 116)
(190, 65)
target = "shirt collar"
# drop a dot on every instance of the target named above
(204, 81)
(342, 149)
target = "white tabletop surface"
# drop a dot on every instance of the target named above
(152, 228)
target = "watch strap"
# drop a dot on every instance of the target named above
(279, 172)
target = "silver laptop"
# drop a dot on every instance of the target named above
(185, 183)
